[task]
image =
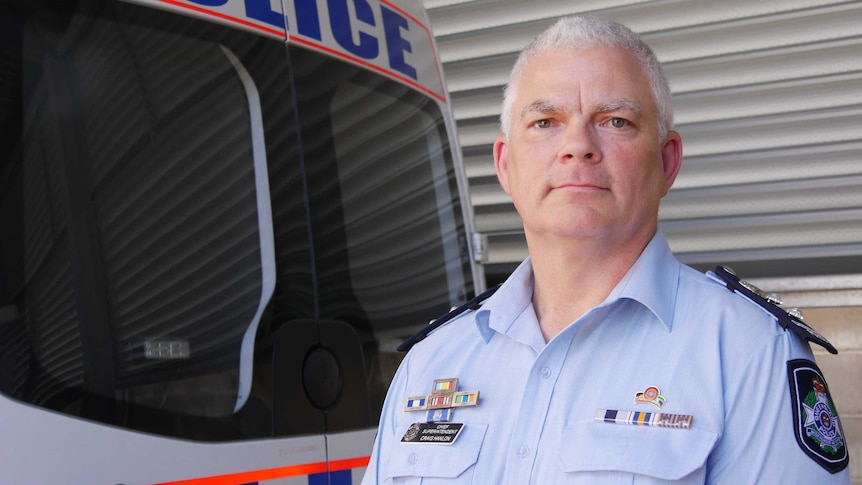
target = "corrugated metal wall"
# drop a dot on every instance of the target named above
(768, 98)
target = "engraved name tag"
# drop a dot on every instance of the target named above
(432, 433)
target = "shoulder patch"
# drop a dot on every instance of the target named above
(815, 419)
(788, 321)
(473, 304)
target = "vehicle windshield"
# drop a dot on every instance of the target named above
(201, 226)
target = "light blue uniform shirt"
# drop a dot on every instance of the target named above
(712, 354)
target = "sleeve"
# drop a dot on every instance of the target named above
(386, 428)
(781, 425)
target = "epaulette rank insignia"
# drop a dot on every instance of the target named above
(788, 319)
(473, 304)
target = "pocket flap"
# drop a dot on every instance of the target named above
(665, 453)
(436, 460)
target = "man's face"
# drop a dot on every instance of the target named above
(583, 158)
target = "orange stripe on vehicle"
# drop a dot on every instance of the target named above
(275, 473)
(338, 465)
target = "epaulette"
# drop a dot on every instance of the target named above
(788, 319)
(473, 304)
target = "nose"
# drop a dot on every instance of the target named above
(579, 143)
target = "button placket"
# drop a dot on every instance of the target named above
(533, 413)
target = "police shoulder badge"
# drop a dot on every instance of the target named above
(815, 419)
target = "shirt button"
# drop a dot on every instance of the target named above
(546, 372)
(413, 458)
(523, 451)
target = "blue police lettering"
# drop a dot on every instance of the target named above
(396, 45)
(254, 9)
(343, 26)
(262, 10)
(308, 19)
(210, 3)
(342, 30)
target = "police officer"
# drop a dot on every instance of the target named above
(602, 359)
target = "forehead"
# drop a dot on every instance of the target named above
(581, 75)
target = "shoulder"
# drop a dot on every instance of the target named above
(453, 314)
(711, 312)
(720, 295)
(774, 372)
(715, 314)
(790, 320)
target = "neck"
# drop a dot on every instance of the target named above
(571, 277)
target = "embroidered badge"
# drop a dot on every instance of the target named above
(439, 405)
(651, 395)
(815, 419)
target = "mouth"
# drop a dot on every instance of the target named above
(580, 186)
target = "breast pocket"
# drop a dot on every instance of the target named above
(635, 454)
(427, 464)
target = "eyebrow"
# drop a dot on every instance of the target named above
(621, 104)
(544, 107)
(547, 107)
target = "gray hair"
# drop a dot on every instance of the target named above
(590, 31)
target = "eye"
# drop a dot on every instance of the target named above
(542, 124)
(618, 122)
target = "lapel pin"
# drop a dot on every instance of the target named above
(650, 395)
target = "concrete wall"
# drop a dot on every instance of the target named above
(843, 327)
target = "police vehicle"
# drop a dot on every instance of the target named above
(218, 220)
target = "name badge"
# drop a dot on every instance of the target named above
(433, 433)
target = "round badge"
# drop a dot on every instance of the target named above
(651, 393)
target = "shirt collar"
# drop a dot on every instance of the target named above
(652, 281)
(500, 311)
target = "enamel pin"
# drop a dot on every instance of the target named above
(651, 395)
(439, 406)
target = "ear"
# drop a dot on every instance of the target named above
(501, 161)
(671, 158)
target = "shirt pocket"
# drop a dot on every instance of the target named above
(637, 454)
(415, 463)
